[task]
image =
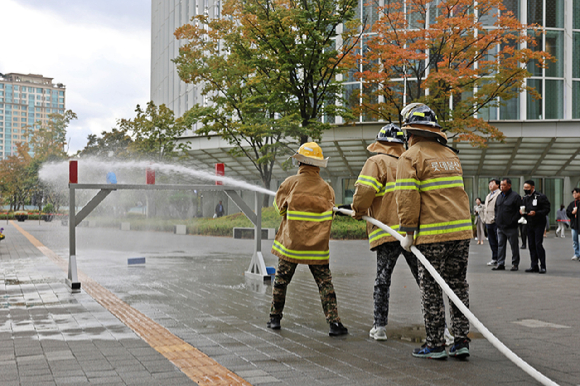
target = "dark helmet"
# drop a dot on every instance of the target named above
(420, 115)
(391, 133)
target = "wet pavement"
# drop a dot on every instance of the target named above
(195, 288)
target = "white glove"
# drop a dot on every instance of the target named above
(407, 242)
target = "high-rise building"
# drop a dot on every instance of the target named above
(24, 101)
(542, 135)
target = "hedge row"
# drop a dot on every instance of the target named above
(343, 228)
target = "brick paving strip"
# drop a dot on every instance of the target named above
(196, 365)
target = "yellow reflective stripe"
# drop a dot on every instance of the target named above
(379, 233)
(445, 227)
(407, 184)
(370, 181)
(419, 114)
(441, 183)
(309, 216)
(301, 255)
(281, 213)
(454, 185)
(389, 187)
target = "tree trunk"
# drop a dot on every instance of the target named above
(266, 181)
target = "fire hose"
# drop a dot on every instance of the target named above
(468, 314)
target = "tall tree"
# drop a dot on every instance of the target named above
(114, 143)
(155, 133)
(16, 180)
(457, 56)
(48, 141)
(268, 72)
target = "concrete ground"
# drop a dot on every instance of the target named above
(195, 287)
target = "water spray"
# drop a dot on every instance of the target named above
(474, 321)
(94, 168)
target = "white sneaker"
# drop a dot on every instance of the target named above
(574, 257)
(493, 262)
(378, 333)
(449, 339)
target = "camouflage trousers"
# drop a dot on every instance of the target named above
(323, 278)
(387, 256)
(450, 260)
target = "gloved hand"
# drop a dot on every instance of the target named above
(346, 206)
(407, 242)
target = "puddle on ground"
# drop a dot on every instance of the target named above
(414, 333)
(36, 281)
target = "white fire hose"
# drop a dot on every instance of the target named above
(474, 321)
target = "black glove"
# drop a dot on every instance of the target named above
(347, 206)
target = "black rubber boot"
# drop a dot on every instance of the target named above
(336, 328)
(274, 322)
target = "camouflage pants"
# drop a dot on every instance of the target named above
(450, 260)
(387, 255)
(323, 279)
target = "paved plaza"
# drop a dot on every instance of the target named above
(194, 287)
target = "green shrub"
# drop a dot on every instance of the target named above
(48, 208)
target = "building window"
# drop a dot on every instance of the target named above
(348, 189)
(534, 106)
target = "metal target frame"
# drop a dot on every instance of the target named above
(256, 270)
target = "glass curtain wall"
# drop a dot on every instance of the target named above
(576, 60)
(549, 82)
(554, 190)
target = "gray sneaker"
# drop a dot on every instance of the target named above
(574, 257)
(493, 262)
(378, 333)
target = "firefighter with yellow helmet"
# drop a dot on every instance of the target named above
(374, 196)
(433, 210)
(305, 201)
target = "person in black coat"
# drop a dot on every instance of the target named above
(537, 208)
(574, 216)
(507, 214)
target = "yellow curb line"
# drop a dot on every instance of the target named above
(196, 365)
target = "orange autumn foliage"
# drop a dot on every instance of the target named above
(456, 56)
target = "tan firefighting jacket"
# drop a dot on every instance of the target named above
(374, 195)
(305, 200)
(431, 200)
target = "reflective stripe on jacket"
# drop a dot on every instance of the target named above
(374, 195)
(431, 200)
(305, 200)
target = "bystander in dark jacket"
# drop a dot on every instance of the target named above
(507, 214)
(574, 216)
(536, 211)
(507, 209)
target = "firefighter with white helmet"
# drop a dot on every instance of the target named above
(433, 210)
(306, 201)
(374, 197)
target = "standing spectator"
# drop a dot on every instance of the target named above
(433, 206)
(507, 214)
(375, 197)
(562, 221)
(478, 211)
(536, 212)
(572, 212)
(219, 210)
(489, 218)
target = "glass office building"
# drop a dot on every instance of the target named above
(542, 135)
(25, 100)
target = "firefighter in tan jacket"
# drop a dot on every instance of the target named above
(374, 196)
(306, 201)
(433, 210)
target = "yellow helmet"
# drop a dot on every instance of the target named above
(311, 154)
